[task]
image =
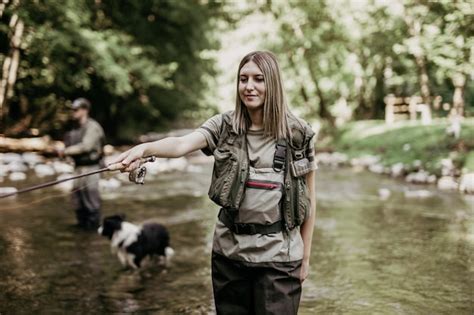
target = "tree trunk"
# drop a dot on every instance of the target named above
(414, 28)
(378, 105)
(303, 92)
(301, 53)
(324, 112)
(424, 79)
(362, 107)
(10, 65)
(5, 3)
(459, 81)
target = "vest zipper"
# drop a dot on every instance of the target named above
(288, 215)
(262, 185)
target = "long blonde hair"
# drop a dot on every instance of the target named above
(275, 108)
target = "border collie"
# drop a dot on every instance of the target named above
(132, 243)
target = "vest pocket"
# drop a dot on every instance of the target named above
(223, 177)
(300, 167)
(263, 192)
(303, 201)
(223, 160)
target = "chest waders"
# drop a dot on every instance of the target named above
(231, 172)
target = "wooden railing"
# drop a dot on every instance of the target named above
(406, 107)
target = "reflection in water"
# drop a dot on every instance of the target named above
(394, 256)
(390, 257)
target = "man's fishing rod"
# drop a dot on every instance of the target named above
(137, 176)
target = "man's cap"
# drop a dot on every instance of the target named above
(81, 103)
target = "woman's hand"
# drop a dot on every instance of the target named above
(128, 160)
(304, 269)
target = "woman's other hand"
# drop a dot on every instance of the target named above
(304, 270)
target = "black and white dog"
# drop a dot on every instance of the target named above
(132, 243)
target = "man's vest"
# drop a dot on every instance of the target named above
(231, 171)
(75, 136)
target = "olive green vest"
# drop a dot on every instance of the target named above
(231, 170)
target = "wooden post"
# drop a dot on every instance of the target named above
(389, 108)
(412, 106)
(425, 111)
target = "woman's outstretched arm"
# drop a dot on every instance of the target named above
(170, 147)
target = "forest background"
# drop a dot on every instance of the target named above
(153, 65)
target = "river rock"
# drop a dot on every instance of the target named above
(32, 158)
(377, 168)
(447, 183)
(447, 167)
(365, 161)
(153, 168)
(384, 193)
(162, 165)
(109, 158)
(194, 168)
(421, 177)
(4, 170)
(17, 166)
(466, 184)
(153, 136)
(332, 159)
(418, 193)
(417, 164)
(42, 170)
(7, 190)
(62, 167)
(179, 164)
(66, 186)
(10, 157)
(109, 149)
(397, 169)
(123, 177)
(109, 184)
(16, 176)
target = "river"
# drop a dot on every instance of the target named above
(402, 255)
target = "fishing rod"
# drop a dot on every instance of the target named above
(137, 176)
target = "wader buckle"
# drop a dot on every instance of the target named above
(244, 228)
(280, 156)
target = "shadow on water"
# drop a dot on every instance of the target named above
(398, 256)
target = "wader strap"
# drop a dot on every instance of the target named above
(249, 228)
(280, 156)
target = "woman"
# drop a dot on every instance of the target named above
(263, 179)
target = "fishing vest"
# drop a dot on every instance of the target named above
(75, 136)
(231, 172)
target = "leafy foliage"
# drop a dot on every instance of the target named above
(146, 63)
(360, 51)
(140, 62)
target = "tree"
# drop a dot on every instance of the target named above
(141, 63)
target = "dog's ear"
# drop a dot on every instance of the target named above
(122, 216)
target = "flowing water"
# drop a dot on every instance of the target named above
(370, 256)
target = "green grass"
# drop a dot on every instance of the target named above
(429, 144)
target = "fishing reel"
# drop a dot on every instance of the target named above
(137, 176)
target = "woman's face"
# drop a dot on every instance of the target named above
(251, 86)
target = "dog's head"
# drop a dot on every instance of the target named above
(110, 225)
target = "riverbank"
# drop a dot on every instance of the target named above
(420, 154)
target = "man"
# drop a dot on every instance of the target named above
(84, 144)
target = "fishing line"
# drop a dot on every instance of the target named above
(52, 196)
(137, 176)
